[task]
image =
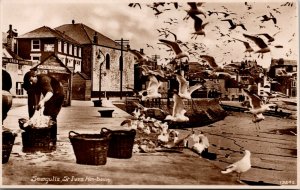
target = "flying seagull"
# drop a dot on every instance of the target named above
(260, 43)
(247, 45)
(195, 9)
(175, 47)
(178, 110)
(267, 18)
(257, 107)
(185, 90)
(198, 26)
(234, 25)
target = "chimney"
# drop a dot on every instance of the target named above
(73, 21)
(142, 50)
(11, 41)
(95, 38)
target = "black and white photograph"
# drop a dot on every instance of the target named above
(150, 94)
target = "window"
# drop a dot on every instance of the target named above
(20, 69)
(65, 47)
(59, 46)
(293, 83)
(35, 59)
(19, 88)
(70, 49)
(75, 50)
(79, 52)
(107, 59)
(70, 63)
(49, 47)
(35, 45)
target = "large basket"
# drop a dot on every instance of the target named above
(90, 149)
(121, 143)
(38, 139)
(8, 139)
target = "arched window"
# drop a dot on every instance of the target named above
(107, 59)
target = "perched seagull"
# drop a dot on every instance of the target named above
(198, 26)
(185, 90)
(175, 47)
(178, 110)
(260, 43)
(152, 89)
(240, 166)
(257, 106)
(247, 45)
(234, 25)
(195, 9)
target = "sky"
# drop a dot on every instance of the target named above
(117, 20)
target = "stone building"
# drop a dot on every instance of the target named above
(99, 50)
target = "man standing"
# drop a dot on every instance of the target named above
(53, 95)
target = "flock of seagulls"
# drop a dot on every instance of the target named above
(182, 53)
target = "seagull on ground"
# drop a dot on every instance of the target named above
(240, 166)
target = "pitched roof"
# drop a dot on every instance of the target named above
(6, 52)
(85, 35)
(4, 37)
(55, 62)
(83, 75)
(47, 32)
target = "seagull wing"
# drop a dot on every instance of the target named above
(230, 21)
(183, 84)
(210, 60)
(136, 53)
(178, 108)
(255, 101)
(257, 40)
(173, 45)
(193, 5)
(270, 38)
(198, 22)
(193, 88)
(247, 45)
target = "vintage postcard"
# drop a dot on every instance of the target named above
(150, 94)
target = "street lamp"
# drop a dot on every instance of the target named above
(100, 71)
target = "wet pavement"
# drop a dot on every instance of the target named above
(273, 158)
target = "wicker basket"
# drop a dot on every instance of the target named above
(8, 139)
(38, 139)
(121, 143)
(90, 149)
